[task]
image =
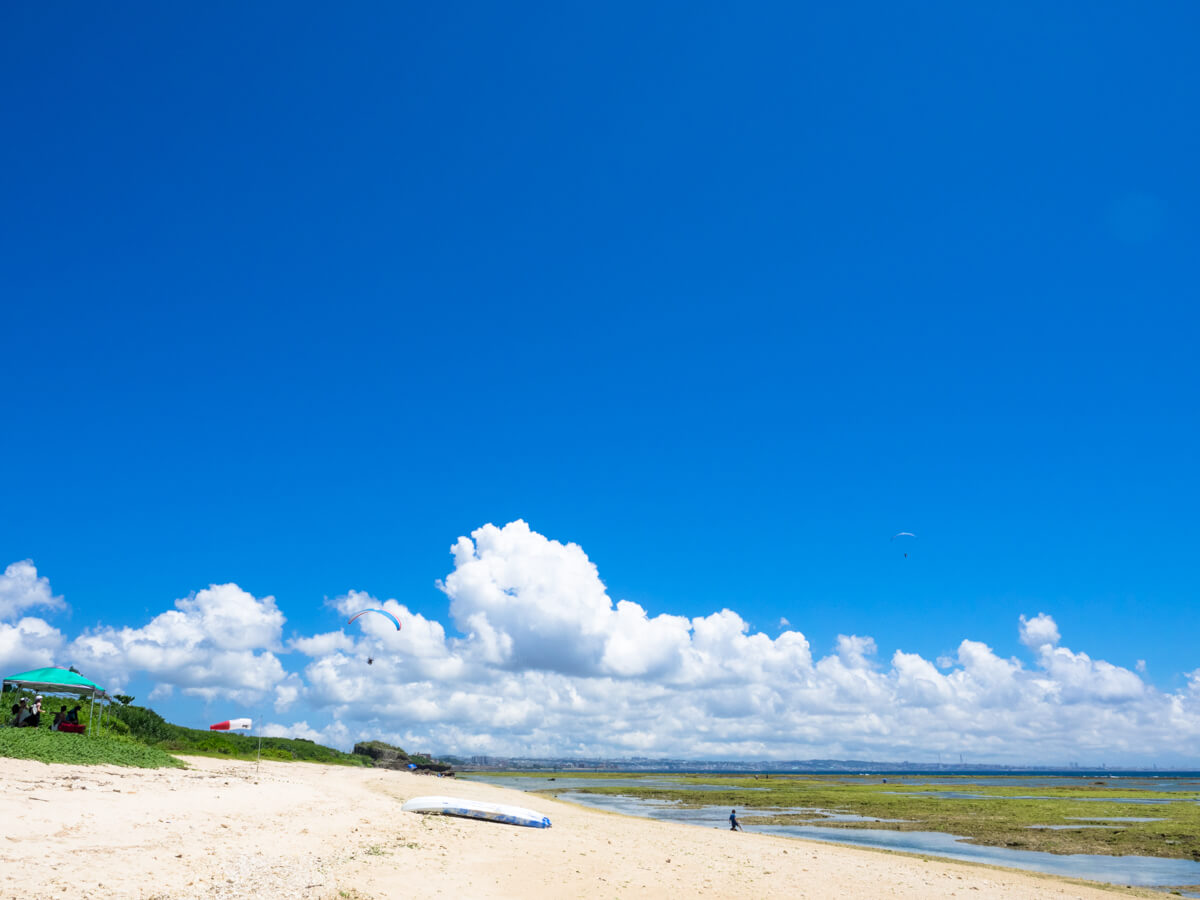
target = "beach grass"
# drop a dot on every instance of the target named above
(1002, 816)
(99, 749)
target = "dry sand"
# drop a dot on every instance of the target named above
(297, 830)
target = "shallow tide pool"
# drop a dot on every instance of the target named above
(1142, 871)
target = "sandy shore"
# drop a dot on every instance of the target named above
(299, 830)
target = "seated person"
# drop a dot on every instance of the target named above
(24, 713)
(73, 715)
(16, 711)
(59, 718)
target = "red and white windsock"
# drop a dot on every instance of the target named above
(231, 725)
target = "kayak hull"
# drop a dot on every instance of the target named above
(477, 809)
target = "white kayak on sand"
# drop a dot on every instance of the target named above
(477, 809)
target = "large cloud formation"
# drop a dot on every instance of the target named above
(541, 661)
(216, 643)
(548, 664)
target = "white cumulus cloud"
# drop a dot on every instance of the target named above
(30, 643)
(21, 588)
(549, 664)
(539, 660)
(217, 642)
(27, 642)
(1038, 632)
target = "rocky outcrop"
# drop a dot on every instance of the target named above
(385, 756)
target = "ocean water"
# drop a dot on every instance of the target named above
(566, 782)
(1139, 781)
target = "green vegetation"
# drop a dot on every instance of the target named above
(152, 729)
(381, 752)
(130, 735)
(1002, 817)
(56, 747)
(137, 736)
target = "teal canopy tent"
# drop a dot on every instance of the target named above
(54, 680)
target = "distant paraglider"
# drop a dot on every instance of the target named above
(382, 612)
(904, 534)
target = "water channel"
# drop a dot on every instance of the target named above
(1141, 871)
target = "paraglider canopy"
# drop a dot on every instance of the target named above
(904, 534)
(382, 612)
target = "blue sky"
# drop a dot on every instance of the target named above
(296, 298)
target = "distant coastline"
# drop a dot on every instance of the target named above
(799, 767)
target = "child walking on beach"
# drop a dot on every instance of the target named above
(734, 825)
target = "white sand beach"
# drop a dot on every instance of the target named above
(218, 829)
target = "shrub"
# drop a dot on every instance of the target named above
(144, 724)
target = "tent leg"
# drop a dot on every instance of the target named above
(91, 712)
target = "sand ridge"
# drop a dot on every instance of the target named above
(223, 828)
